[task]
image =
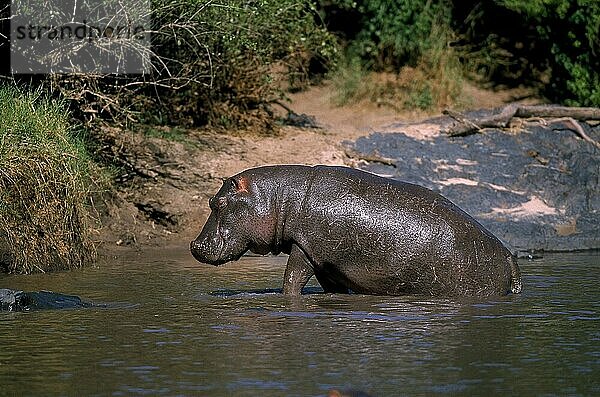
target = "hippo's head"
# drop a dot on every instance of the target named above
(241, 219)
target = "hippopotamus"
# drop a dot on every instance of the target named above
(356, 232)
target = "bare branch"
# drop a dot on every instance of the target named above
(544, 114)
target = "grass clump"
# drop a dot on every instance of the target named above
(351, 81)
(433, 80)
(220, 64)
(44, 186)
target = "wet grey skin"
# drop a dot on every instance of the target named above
(20, 301)
(355, 232)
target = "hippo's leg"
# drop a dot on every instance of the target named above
(516, 285)
(330, 286)
(297, 273)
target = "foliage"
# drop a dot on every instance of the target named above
(44, 186)
(572, 29)
(387, 34)
(351, 82)
(552, 42)
(253, 49)
(218, 63)
(408, 39)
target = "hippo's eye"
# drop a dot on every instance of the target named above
(217, 203)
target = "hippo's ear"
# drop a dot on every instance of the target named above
(241, 184)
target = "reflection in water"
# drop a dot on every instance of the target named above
(172, 326)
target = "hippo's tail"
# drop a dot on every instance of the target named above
(516, 285)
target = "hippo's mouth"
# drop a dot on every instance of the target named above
(232, 257)
(203, 253)
(214, 254)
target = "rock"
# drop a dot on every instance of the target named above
(536, 189)
(19, 301)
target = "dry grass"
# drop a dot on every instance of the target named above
(44, 186)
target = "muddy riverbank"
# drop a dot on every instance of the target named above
(536, 188)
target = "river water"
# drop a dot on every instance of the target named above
(172, 326)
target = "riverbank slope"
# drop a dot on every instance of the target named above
(169, 175)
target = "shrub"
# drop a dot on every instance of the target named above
(409, 39)
(212, 63)
(571, 29)
(351, 82)
(553, 43)
(387, 34)
(432, 80)
(44, 186)
(252, 50)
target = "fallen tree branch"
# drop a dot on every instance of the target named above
(461, 118)
(464, 125)
(575, 126)
(557, 111)
(294, 119)
(373, 157)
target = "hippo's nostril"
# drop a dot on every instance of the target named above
(194, 245)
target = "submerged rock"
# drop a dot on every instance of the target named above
(18, 301)
(536, 189)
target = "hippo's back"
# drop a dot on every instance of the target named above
(362, 196)
(379, 232)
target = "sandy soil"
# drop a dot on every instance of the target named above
(166, 202)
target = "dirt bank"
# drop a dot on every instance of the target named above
(169, 176)
(534, 185)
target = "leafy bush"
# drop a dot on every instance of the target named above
(410, 39)
(551, 43)
(572, 30)
(212, 63)
(387, 34)
(554, 43)
(250, 49)
(435, 80)
(44, 186)
(351, 82)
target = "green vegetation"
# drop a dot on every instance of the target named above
(407, 39)
(550, 43)
(388, 34)
(44, 186)
(435, 80)
(223, 64)
(218, 64)
(259, 48)
(572, 31)
(351, 81)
